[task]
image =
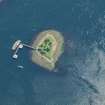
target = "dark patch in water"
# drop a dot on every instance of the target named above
(90, 85)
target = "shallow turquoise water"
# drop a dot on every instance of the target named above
(80, 80)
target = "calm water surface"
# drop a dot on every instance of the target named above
(81, 76)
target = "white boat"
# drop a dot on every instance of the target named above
(20, 67)
(21, 45)
(16, 44)
(15, 56)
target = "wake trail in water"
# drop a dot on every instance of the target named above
(85, 81)
(90, 85)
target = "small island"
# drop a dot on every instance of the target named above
(49, 45)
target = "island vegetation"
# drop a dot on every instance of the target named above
(49, 46)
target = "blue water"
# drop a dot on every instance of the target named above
(80, 78)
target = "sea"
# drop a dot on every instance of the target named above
(80, 76)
